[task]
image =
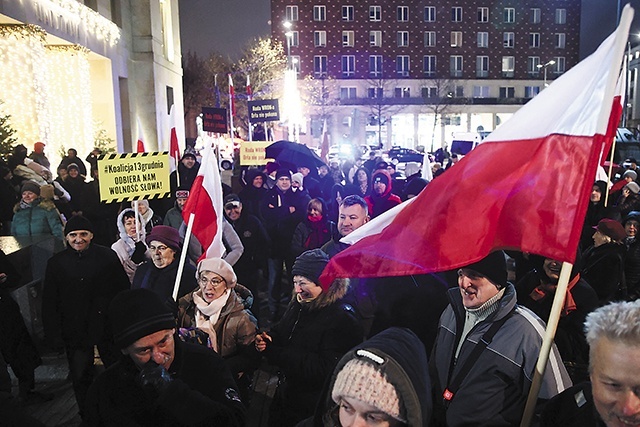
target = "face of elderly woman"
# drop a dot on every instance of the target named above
(212, 285)
(161, 254)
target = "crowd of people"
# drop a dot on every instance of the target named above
(449, 349)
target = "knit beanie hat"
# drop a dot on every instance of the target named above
(310, 265)
(633, 187)
(30, 186)
(220, 267)
(381, 177)
(360, 380)
(136, 313)
(283, 172)
(165, 234)
(76, 223)
(182, 193)
(633, 215)
(272, 167)
(297, 177)
(72, 166)
(493, 267)
(630, 173)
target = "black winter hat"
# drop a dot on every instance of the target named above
(493, 267)
(136, 313)
(310, 265)
(283, 172)
(76, 223)
(30, 186)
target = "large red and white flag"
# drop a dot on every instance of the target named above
(526, 187)
(205, 202)
(140, 146)
(174, 149)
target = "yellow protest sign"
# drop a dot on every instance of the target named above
(252, 153)
(133, 176)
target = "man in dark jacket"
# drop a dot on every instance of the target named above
(159, 380)
(611, 398)
(631, 225)
(493, 390)
(281, 211)
(79, 284)
(353, 213)
(381, 198)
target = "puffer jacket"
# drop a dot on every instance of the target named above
(235, 330)
(307, 344)
(494, 392)
(41, 218)
(125, 246)
(404, 366)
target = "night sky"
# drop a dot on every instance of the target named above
(228, 25)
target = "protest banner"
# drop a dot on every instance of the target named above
(264, 110)
(133, 176)
(253, 153)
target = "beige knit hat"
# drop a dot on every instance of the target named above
(220, 267)
(361, 380)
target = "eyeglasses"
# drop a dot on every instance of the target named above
(215, 282)
(158, 248)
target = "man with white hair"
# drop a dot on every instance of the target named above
(612, 398)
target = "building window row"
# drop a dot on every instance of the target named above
(402, 39)
(403, 15)
(457, 91)
(429, 65)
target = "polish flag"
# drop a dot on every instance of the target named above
(526, 187)
(174, 149)
(140, 147)
(205, 203)
(249, 92)
(324, 148)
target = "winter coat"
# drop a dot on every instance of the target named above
(187, 176)
(250, 196)
(256, 243)
(405, 367)
(66, 161)
(495, 390)
(41, 218)
(235, 329)
(379, 204)
(173, 217)
(569, 337)
(572, 408)
(311, 235)
(202, 393)
(279, 221)
(632, 269)
(162, 280)
(125, 246)
(603, 269)
(307, 343)
(77, 188)
(78, 287)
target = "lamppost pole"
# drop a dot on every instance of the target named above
(544, 66)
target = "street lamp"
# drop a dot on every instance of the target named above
(545, 70)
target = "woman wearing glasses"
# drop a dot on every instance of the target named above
(159, 273)
(216, 315)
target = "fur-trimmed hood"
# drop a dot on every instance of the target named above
(45, 204)
(336, 291)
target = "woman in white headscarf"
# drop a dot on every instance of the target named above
(131, 248)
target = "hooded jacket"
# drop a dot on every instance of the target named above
(405, 367)
(251, 196)
(379, 204)
(41, 218)
(307, 343)
(494, 392)
(125, 246)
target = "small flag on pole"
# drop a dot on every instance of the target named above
(140, 146)
(174, 149)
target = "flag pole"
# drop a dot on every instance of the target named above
(547, 342)
(183, 256)
(563, 282)
(135, 216)
(613, 150)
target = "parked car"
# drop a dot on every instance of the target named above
(627, 145)
(404, 155)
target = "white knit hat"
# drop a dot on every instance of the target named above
(361, 380)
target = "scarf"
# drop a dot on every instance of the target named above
(25, 205)
(146, 217)
(569, 303)
(317, 237)
(473, 316)
(207, 314)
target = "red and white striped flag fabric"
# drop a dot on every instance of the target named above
(526, 187)
(205, 202)
(232, 97)
(249, 92)
(140, 146)
(174, 149)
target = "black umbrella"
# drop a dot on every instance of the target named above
(293, 155)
